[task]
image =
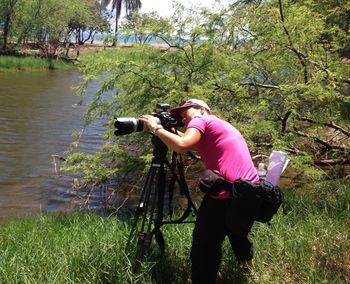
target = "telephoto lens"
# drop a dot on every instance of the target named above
(127, 125)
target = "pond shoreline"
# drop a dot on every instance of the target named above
(13, 62)
(30, 58)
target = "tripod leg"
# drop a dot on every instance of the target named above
(138, 211)
(146, 211)
(158, 222)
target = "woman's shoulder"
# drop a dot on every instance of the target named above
(212, 118)
(204, 121)
(209, 117)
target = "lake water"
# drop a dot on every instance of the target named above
(37, 120)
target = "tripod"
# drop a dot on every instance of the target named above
(150, 209)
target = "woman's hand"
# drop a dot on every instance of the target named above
(150, 121)
(179, 143)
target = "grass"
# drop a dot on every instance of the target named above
(12, 62)
(134, 53)
(29, 62)
(308, 243)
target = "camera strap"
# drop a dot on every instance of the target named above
(184, 191)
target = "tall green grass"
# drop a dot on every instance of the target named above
(76, 248)
(134, 53)
(308, 243)
(29, 62)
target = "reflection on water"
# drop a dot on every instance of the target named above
(36, 121)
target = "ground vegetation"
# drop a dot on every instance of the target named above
(307, 242)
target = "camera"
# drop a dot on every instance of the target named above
(127, 125)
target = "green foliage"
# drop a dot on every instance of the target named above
(264, 67)
(52, 21)
(336, 17)
(143, 27)
(86, 18)
(100, 167)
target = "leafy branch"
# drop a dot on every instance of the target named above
(330, 124)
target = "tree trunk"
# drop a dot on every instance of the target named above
(114, 43)
(118, 8)
(6, 30)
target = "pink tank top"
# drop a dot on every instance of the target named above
(223, 148)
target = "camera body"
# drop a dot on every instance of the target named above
(127, 125)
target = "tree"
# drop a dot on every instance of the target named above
(263, 67)
(336, 14)
(130, 7)
(46, 23)
(86, 22)
(7, 8)
(142, 27)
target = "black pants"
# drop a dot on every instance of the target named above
(216, 220)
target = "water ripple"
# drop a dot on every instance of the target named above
(36, 121)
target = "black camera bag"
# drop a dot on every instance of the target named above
(211, 183)
(261, 199)
(267, 199)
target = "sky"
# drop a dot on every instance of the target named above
(164, 7)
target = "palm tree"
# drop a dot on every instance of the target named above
(130, 7)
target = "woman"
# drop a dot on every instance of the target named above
(224, 150)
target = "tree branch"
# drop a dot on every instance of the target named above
(320, 141)
(296, 151)
(267, 145)
(218, 87)
(301, 59)
(331, 124)
(284, 121)
(329, 162)
(266, 86)
(260, 156)
(305, 57)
